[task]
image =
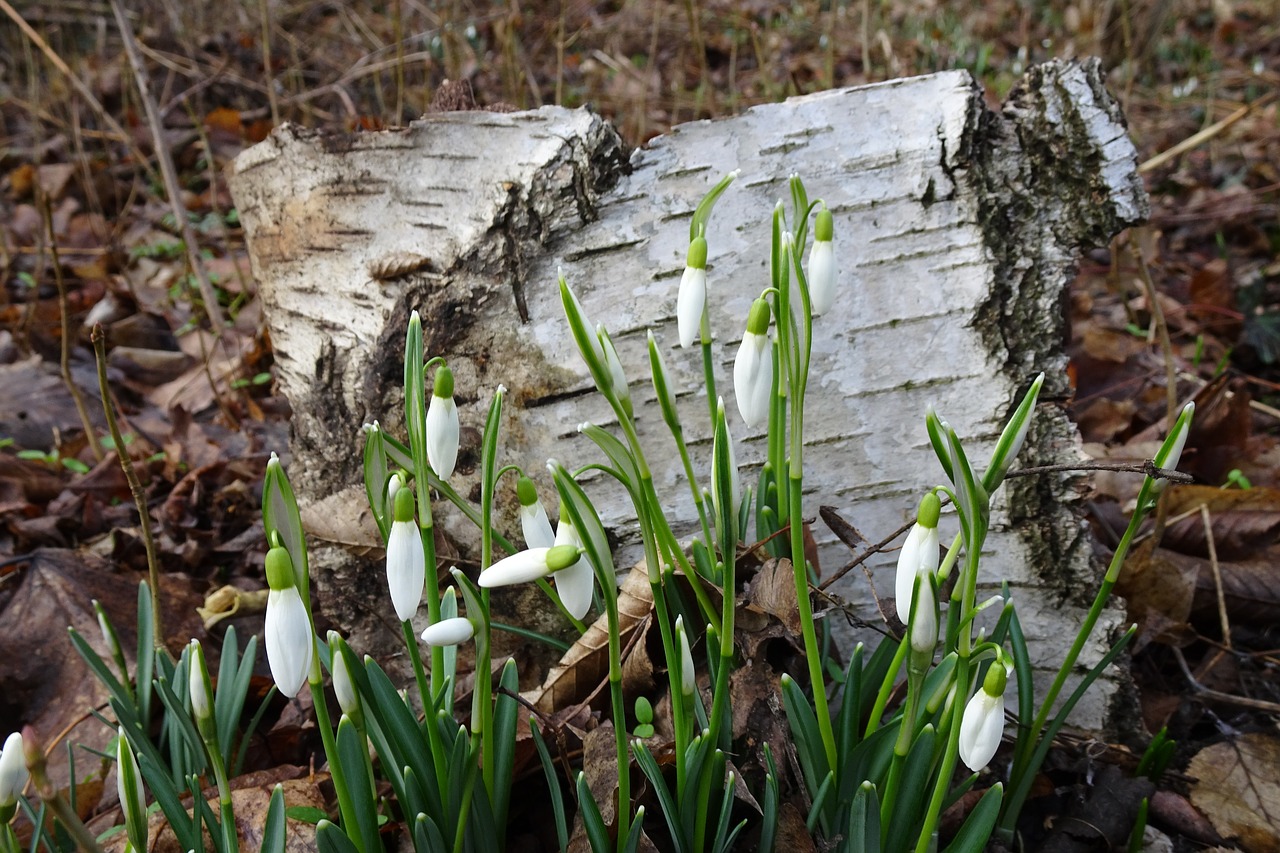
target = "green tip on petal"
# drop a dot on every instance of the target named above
(279, 569)
(404, 505)
(824, 229)
(930, 510)
(444, 382)
(526, 491)
(758, 318)
(697, 253)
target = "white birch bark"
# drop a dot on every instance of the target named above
(956, 231)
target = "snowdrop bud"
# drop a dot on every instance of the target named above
(406, 558)
(13, 775)
(343, 687)
(394, 484)
(574, 582)
(822, 264)
(983, 721)
(288, 628)
(534, 523)
(198, 684)
(442, 426)
(753, 368)
(132, 797)
(1170, 453)
(924, 619)
(919, 552)
(617, 377)
(688, 676)
(449, 632)
(691, 302)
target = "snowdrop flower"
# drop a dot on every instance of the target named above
(534, 523)
(525, 566)
(288, 627)
(688, 676)
(983, 721)
(822, 264)
(406, 559)
(13, 775)
(449, 632)
(442, 426)
(753, 368)
(919, 554)
(133, 799)
(691, 302)
(573, 582)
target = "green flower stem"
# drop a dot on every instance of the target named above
(227, 815)
(346, 805)
(886, 688)
(704, 795)
(950, 754)
(805, 605)
(683, 448)
(460, 834)
(9, 840)
(439, 759)
(1020, 774)
(902, 745)
(679, 718)
(708, 366)
(676, 558)
(427, 527)
(619, 720)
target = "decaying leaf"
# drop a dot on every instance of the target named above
(1159, 587)
(1238, 789)
(586, 664)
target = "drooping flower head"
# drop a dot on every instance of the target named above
(574, 581)
(442, 425)
(753, 368)
(288, 628)
(406, 558)
(919, 552)
(534, 523)
(822, 264)
(13, 775)
(529, 565)
(449, 632)
(691, 302)
(983, 721)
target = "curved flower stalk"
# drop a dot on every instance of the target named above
(288, 627)
(442, 426)
(406, 558)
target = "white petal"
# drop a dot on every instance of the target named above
(536, 526)
(924, 627)
(822, 276)
(688, 675)
(690, 304)
(449, 632)
(442, 436)
(908, 567)
(520, 567)
(288, 635)
(753, 378)
(406, 568)
(980, 729)
(574, 585)
(13, 770)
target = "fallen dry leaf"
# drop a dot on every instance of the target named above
(1238, 789)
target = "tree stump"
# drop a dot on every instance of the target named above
(957, 231)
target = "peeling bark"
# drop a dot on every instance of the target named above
(957, 231)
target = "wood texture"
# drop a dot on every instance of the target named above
(957, 231)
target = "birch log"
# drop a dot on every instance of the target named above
(957, 230)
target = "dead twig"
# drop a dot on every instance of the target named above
(1198, 139)
(64, 316)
